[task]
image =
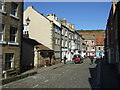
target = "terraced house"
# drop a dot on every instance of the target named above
(58, 35)
(10, 36)
(70, 40)
(45, 30)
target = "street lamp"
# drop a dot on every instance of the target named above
(27, 20)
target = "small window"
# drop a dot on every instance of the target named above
(13, 34)
(14, 9)
(93, 47)
(86, 42)
(69, 35)
(62, 43)
(66, 43)
(2, 5)
(1, 32)
(99, 48)
(69, 45)
(58, 42)
(9, 60)
(55, 28)
(93, 42)
(62, 31)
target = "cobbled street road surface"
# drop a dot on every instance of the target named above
(66, 76)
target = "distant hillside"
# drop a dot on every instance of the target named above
(89, 30)
(95, 33)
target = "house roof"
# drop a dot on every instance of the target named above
(35, 43)
(30, 41)
(89, 37)
(43, 47)
(99, 41)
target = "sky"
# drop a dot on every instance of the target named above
(85, 15)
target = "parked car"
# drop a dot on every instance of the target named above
(77, 59)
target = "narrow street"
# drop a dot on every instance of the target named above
(66, 76)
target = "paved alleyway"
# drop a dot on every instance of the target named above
(65, 76)
(109, 76)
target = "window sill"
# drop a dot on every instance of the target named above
(2, 11)
(3, 42)
(13, 43)
(13, 16)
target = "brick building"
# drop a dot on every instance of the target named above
(99, 47)
(10, 36)
(99, 36)
(90, 45)
(95, 33)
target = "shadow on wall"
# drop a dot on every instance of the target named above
(103, 76)
(95, 76)
(109, 76)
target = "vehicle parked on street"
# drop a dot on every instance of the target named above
(77, 59)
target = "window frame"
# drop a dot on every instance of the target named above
(2, 32)
(93, 43)
(9, 59)
(14, 10)
(2, 5)
(13, 35)
(99, 48)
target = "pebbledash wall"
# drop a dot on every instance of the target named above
(10, 41)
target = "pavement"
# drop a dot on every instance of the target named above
(42, 69)
(109, 76)
(58, 76)
(85, 75)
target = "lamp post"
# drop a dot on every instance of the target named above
(27, 21)
(26, 27)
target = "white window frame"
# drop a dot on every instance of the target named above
(13, 35)
(55, 28)
(58, 41)
(1, 32)
(65, 32)
(86, 42)
(65, 43)
(9, 59)
(69, 35)
(69, 44)
(2, 5)
(62, 32)
(93, 43)
(14, 9)
(99, 48)
(62, 43)
(55, 40)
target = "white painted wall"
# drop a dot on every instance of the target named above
(39, 27)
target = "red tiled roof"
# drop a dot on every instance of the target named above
(99, 41)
